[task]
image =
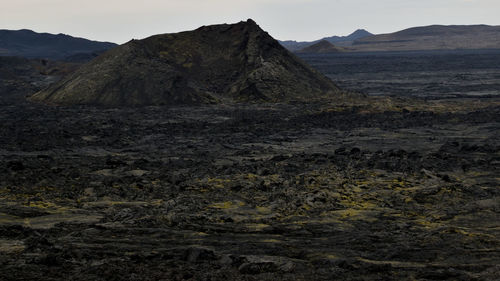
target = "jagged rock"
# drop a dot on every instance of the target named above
(196, 254)
(263, 264)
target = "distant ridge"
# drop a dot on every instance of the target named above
(238, 62)
(29, 44)
(345, 40)
(434, 37)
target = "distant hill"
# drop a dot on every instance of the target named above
(434, 37)
(345, 40)
(29, 44)
(220, 63)
(322, 47)
(358, 34)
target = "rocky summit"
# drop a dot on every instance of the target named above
(212, 64)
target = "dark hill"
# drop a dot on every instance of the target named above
(322, 47)
(29, 44)
(238, 62)
(358, 34)
(434, 37)
(295, 46)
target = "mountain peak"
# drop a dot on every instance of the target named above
(359, 33)
(227, 62)
(251, 21)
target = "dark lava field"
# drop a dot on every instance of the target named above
(423, 74)
(369, 188)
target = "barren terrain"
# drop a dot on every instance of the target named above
(371, 189)
(423, 74)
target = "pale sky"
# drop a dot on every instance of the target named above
(304, 20)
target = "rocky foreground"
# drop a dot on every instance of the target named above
(282, 192)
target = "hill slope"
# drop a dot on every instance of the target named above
(434, 37)
(29, 44)
(238, 62)
(322, 47)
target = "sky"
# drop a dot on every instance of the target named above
(304, 20)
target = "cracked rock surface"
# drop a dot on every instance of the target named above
(249, 192)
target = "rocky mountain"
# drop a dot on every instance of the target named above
(343, 40)
(238, 62)
(434, 37)
(30, 44)
(322, 47)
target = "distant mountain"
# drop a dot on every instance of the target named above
(434, 37)
(322, 47)
(29, 44)
(212, 64)
(358, 34)
(346, 40)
